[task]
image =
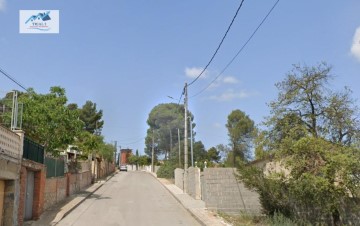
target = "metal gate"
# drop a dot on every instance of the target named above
(29, 195)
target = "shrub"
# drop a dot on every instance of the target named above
(166, 171)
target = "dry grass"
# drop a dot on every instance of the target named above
(245, 220)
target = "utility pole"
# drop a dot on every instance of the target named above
(186, 126)
(185, 139)
(152, 152)
(168, 157)
(179, 147)
(191, 143)
(115, 152)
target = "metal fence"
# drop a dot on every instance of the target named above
(55, 167)
(33, 151)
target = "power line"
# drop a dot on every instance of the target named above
(12, 79)
(135, 142)
(222, 40)
(182, 93)
(241, 49)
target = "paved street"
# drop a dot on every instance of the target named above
(130, 198)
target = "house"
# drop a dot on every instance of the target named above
(11, 150)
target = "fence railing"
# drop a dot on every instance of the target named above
(54, 167)
(33, 151)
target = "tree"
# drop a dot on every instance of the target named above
(6, 109)
(164, 121)
(89, 143)
(107, 151)
(91, 117)
(313, 132)
(213, 155)
(144, 160)
(303, 95)
(224, 151)
(135, 159)
(48, 121)
(241, 131)
(200, 153)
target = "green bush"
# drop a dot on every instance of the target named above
(166, 171)
(279, 219)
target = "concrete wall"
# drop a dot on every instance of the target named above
(219, 189)
(78, 182)
(179, 178)
(193, 182)
(10, 210)
(222, 192)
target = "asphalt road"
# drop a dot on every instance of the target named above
(130, 198)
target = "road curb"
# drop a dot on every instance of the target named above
(65, 212)
(177, 199)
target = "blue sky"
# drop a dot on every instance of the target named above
(128, 56)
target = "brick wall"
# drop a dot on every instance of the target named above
(39, 189)
(55, 190)
(21, 210)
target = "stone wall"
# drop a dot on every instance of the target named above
(222, 192)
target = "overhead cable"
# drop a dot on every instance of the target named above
(222, 40)
(241, 49)
(12, 79)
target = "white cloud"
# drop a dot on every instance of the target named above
(193, 72)
(355, 48)
(230, 80)
(2, 5)
(230, 94)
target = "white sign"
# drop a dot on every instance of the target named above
(39, 21)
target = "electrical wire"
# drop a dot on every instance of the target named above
(135, 141)
(182, 93)
(241, 49)
(222, 40)
(12, 79)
